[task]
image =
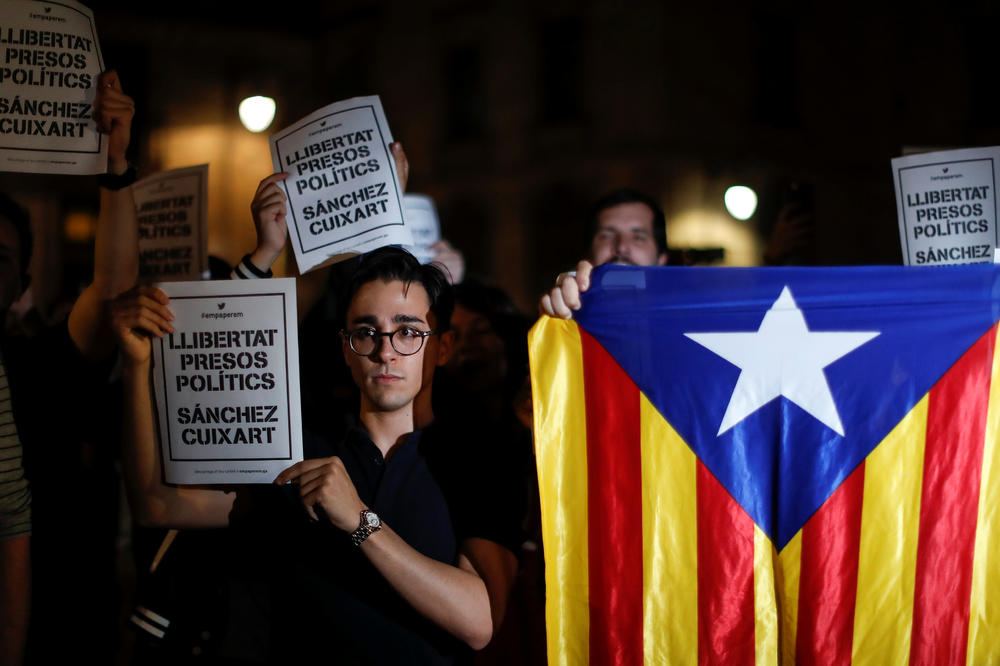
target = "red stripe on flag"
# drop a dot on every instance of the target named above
(953, 456)
(725, 576)
(614, 506)
(828, 583)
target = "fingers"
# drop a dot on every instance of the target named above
(314, 478)
(112, 107)
(545, 306)
(143, 309)
(273, 178)
(554, 305)
(564, 298)
(272, 194)
(136, 319)
(402, 164)
(583, 271)
(270, 202)
(569, 290)
(298, 469)
(109, 79)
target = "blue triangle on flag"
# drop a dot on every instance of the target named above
(781, 462)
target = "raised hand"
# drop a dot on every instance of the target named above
(113, 112)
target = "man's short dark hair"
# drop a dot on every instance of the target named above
(627, 196)
(394, 263)
(18, 218)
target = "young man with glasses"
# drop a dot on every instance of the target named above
(390, 545)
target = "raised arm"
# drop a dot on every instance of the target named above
(269, 209)
(467, 600)
(136, 316)
(116, 244)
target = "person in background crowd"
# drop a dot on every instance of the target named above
(15, 496)
(628, 228)
(54, 377)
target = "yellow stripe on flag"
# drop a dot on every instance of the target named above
(764, 601)
(887, 559)
(984, 610)
(561, 456)
(669, 543)
(787, 583)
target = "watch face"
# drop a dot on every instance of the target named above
(372, 520)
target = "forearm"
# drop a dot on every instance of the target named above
(116, 269)
(15, 598)
(153, 502)
(453, 597)
(140, 459)
(116, 243)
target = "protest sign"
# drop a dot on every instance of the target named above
(48, 82)
(170, 208)
(946, 203)
(422, 219)
(343, 191)
(227, 382)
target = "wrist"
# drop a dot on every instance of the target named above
(117, 165)
(114, 180)
(262, 258)
(368, 524)
(135, 367)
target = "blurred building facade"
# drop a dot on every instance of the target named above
(517, 115)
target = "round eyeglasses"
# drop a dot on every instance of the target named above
(406, 341)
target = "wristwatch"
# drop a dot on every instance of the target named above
(370, 523)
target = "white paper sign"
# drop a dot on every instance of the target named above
(343, 192)
(947, 208)
(170, 208)
(422, 219)
(48, 81)
(227, 382)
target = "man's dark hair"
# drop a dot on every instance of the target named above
(18, 218)
(627, 196)
(394, 263)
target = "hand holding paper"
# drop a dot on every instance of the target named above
(270, 210)
(137, 315)
(402, 164)
(344, 188)
(113, 111)
(324, 482)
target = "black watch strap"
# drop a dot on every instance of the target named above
(114, 181)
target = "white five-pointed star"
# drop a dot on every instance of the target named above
(782, 358)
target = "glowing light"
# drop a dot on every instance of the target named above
(256, 113)
(741, 202)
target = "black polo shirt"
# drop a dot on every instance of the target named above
(435, 490)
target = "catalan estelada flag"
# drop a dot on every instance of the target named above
(764, 466)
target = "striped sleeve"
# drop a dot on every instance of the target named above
(245, 270)
(15, 496)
